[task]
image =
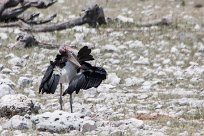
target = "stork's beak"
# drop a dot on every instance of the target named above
(74, 60)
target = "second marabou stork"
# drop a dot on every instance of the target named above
(70, 66)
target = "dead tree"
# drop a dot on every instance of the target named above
(10, 10)
(92, 16)
(11, 15)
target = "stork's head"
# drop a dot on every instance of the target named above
(70, 54)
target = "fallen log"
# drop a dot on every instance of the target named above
(93, 16)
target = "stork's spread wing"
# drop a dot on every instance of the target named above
(84, 54)
(50, 81)
(91, 77)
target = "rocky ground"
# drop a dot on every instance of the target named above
(155, 82)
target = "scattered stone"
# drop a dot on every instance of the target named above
(7, 82)
(135, 44)
(88, 126)
(26, 57)
(124, 19)
(113, 79)
(5, 133)
(18, 104)
(3, 36)
(60, 121)
(185, 133)
(6, 71)
(110, 47)
(79, 37)
(16, 61)
(24, 82)
(142, 61)
(116, 34)
(5, 90)
(131, 123)
(90, 93)
(18, 122)
(147, 85)
(198, 4)
(30, 92)
(133, 81)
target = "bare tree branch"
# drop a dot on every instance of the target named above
(91, 16)
(8, 15)
(31, 20)
(5, 4)
(11, 14)
(41, 3)
(54, 27)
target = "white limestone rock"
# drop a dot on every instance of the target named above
(133, 81)
(105, 88)
(90, 93)
(39, 57)
(3, 36)
(88, 126)
(194, 71)
(147, 85)
(111, 48)
(194, 103)
(19, 133)
(5, 90)
(79, 37)
(30, 92)
(202, 93)
(117, 132)
(116, 34)
(18, 104)
(6, 71)
(5, 133)
(135, 44)
(113, 79)
(18, 122)
(124, 19)
(7, 81)
(96, 51)
(84, 29)
(142, 61)
(132, 123)
(24, 82)
(60, 121)
(16, 61)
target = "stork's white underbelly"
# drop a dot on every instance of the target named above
(68, 72)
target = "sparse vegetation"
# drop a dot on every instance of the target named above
(172, 54)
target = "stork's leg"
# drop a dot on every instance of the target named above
(60, 99)
(71, 103)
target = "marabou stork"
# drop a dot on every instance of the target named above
(73, 69)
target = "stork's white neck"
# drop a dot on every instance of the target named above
(68, 72)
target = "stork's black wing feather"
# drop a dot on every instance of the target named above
(84, 54)
(50, 81)
(91, 77)
(76, 84)
(46, 76)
